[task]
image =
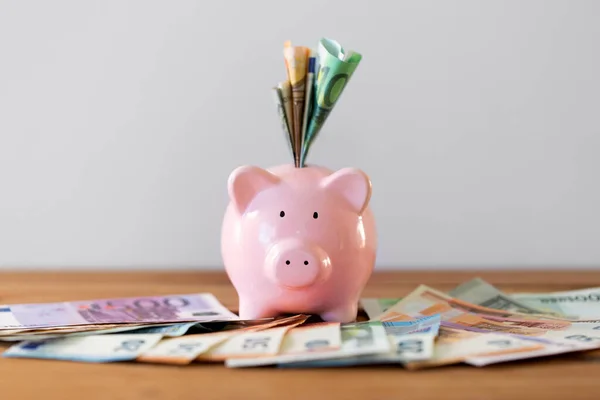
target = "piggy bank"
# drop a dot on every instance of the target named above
(298, 240)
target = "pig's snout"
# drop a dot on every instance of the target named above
(296, 264)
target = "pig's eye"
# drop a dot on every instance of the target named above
(315, 215)
(282, 214)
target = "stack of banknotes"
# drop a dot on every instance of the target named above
(315, 81)
(475, 324)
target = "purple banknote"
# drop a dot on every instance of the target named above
(200, 307)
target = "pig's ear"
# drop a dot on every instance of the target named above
(246, 182)
(352, 184)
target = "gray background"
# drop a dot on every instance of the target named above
(120, 121)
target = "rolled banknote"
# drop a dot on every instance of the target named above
(100, 348)
(309, 101)
(336, 67)
(279, 103)
(296, 62)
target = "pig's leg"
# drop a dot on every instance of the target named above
(252, 309)
(343, 314)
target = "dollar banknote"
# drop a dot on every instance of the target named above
(296, 63)
(582, 304)
(478, 291)
(376, 306)
(95, 348)
(351, 339)
(150, 309)
(336, 67)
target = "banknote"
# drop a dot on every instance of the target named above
(463, 315)
(182, 350)
(33, 333)
(280, 106)
(376, 306)
(311, 339)
(409, 340)
(545, 350)
(478, 291)
(427, 324)
(454, 346)
(255, 343)
(296, 63)
(285, 89)
(166, 329)
(150, 309)
(96, 348)
(582, 304)
(185, 349)
(352, 339)
(308, 101)
(336, 66)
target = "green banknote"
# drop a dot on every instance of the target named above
(336, 67)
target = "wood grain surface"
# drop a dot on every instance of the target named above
(575, 376)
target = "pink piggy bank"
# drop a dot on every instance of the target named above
(299, 240)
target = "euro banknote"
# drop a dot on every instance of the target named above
(409, 340)
(544, 350)
(135, 310)
(350, 339)
(583, 304)
(280, 100)
(296, 63)
(164, 329)
(455, 346)
(182, 350)
(336, 67)
(478, 291)
(248, 344)
(316, 79)
(312, 339)
(250, 337)
(95, 348)
(462, 315)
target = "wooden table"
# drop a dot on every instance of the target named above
(574, 376)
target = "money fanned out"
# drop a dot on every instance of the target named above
(474, 324)
(315, 81)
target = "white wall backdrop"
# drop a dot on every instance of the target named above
(120, 121)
